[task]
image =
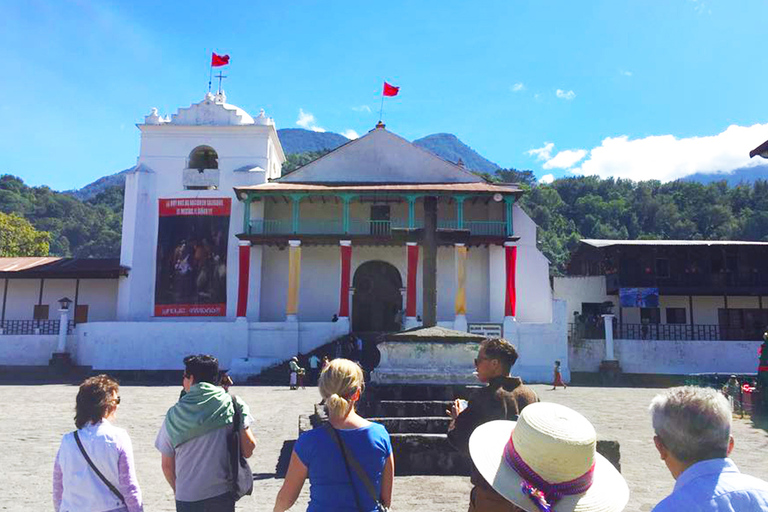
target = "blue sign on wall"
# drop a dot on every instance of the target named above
(639, 297)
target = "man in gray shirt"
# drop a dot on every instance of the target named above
(193, 440)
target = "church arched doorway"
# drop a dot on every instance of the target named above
(377, 299)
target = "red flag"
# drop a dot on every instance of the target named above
(219, 60)
(390, 90)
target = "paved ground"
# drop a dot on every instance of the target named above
(35, 417)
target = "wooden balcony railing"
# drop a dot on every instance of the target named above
(364, 227)
(669, 332)
(30, 327)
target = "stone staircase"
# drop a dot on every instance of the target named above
(414, 416)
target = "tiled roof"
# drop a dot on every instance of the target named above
(609, 243)
(52, 267)
(284, 187)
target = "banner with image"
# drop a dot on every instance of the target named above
(639, 297)
(191, 274)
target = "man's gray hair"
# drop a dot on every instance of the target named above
(693, 423)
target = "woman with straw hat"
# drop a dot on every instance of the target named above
(546, 462)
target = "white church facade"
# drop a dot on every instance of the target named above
(221, 254)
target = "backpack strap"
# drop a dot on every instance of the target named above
(96, 470)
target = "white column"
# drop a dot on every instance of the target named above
(608, 321)
(62, 345)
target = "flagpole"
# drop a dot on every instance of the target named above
(381, 109)
(210, 76)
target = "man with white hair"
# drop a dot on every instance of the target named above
(693, 437)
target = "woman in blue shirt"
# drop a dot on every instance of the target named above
(317, 455)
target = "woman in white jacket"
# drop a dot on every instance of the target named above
(76, 484)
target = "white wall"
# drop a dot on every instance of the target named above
(27, 350)
(577, 289)
(157, 345)
(99, 294)
(539, 345)
(668, 357)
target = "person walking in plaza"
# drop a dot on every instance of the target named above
(94, 467)
(295, 370)
(348, 460)
(503, 398)
(693, 438)
(193, 440)
(558, 378)
(314, 368)
(547, 461)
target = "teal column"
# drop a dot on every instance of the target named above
(460, 211)
(411, 210)
(247, 214)
(509, 201)
(346, 199)
(296, 198)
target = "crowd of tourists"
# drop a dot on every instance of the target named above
(526, 455)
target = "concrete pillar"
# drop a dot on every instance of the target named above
(294, 275)
(243, 277)
(345, 247)
(510, 292)
(63, 323)
(609, 353)
(460, 308)
(412, 255)
(429, 265)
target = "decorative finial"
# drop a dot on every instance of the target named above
(152, 118)
(380, 124)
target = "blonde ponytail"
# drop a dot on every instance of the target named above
(339, 381)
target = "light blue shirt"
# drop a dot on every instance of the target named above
(716, 485)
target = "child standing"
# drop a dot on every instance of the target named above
(558, 380)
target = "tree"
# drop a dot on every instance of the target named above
(19, 238)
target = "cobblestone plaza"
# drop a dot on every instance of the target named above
(36, 416)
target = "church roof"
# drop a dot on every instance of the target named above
(331, 188)
(380, 156)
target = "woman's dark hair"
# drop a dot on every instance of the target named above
(203, 367)
(95, 399)
(501, 350)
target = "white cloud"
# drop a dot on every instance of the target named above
(542, 153)
(566, 95)
(547, 179)
(625, 72)
(307, 120)
(519, 86)
(565, 159)
(362, 108)
(350, 134)
(667, 158)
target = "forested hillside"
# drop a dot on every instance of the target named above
(566, 210)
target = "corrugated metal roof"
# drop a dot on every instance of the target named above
(382, 187)
(609, 243)
(52, 267)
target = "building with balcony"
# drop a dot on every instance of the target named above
(222, 254)
(675, 299)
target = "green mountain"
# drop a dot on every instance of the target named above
(449, 147)
(297, 141)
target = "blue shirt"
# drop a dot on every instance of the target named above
(716, 485)
(329, 482)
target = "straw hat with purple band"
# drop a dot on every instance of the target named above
(546, 462)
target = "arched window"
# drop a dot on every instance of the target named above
(203, 157)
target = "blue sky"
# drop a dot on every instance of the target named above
(628, 88)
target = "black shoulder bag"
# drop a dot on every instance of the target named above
(359, 471)
(242, 476)
(96, 470)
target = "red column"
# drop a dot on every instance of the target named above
(413, 267)
(346, 261)
(242, 285)
(510, 307)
